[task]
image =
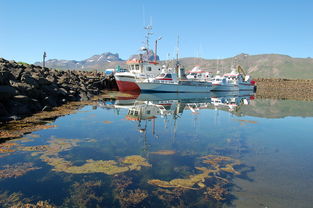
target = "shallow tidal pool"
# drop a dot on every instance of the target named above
(166, 150)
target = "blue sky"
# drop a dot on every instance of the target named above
(68, 29)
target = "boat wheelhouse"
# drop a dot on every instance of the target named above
(198, 74)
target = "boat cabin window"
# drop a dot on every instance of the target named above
(130, 112)
(168, 76)
(149, 68)
(137, 67)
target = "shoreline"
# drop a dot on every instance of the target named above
(27, 89)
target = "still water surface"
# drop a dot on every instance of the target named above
(167, 150)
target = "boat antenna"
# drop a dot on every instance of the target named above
(177, 52)
(149, 32)
(177, 49)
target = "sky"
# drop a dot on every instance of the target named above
(77, 29)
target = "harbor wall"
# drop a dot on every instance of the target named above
(295, 89)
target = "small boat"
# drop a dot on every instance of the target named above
(236, 80)
(169, 82)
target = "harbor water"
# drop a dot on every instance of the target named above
(166, 150)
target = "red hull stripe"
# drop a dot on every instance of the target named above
(165, 79)
(127, 86)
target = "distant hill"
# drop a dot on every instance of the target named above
(102, 61)
(259, 66)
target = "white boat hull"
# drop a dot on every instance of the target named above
(175, 87)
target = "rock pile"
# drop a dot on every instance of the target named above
(295, 89)
(26, 89)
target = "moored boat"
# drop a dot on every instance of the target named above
(236, 80)
(142, 66)
(138, 69)
(169, 82)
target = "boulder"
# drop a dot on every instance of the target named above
(51, 78)
(17, 72)
(62, 91)
(7, 92)
(22, 87)
(50, 101)
(5, 77)
(29, 80)
(23, 105)
(43, 81)
(3, 111)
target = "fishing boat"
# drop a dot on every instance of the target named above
(236, 80)
(170, 82)
(137, 69)
(140, 67)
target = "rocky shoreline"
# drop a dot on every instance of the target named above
(26, 89)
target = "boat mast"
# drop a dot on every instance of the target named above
(149, 32)
(177, 51)
(156, 48)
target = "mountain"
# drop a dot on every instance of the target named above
(102, 61)
(145, 56)
(258, 66)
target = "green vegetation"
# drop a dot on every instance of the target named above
(23, 63)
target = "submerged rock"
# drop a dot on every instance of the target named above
(50, 155)
(16, 170)
(213, 166)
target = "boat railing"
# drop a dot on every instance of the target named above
(165, 81)
(158, 81)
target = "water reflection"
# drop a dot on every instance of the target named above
(163, 150)
(151, 106)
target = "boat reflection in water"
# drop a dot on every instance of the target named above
(150, 106)
(169, 107)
